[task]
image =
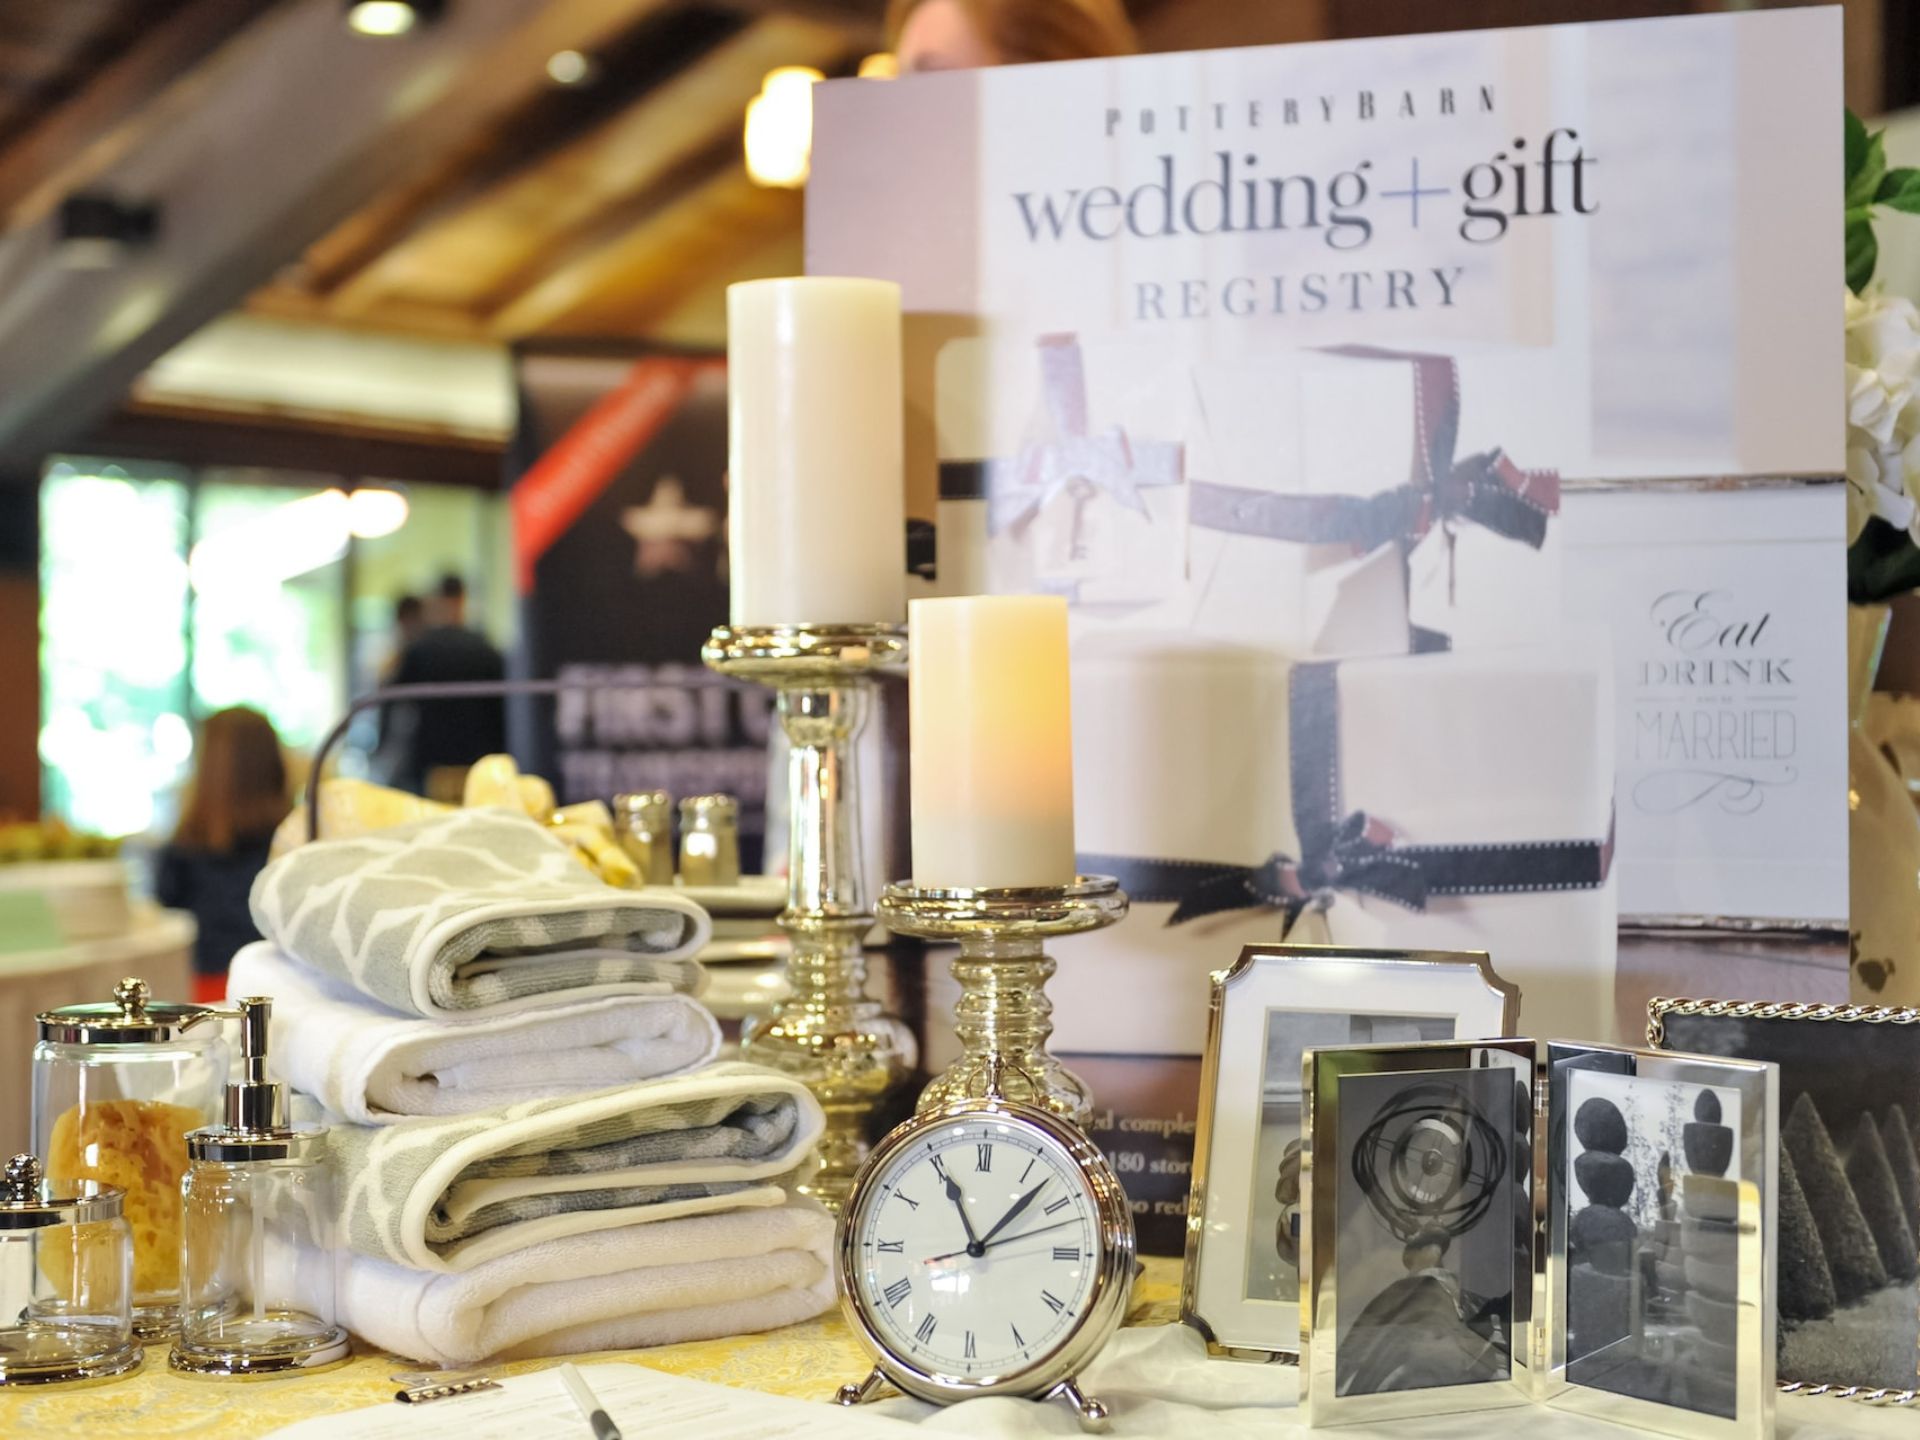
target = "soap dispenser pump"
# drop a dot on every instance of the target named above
(257, 1272)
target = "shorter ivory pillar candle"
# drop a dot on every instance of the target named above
(992, 742)
(816, 515)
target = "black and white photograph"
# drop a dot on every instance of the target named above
(1653, 1277)
(1243, 1276)
(1431, 1213)
(1273, 1259)
(1849, 1264)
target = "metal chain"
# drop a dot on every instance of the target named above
(1860, 1394)
(1662, 1006)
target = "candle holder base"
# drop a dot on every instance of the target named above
(1004, 1017)
(828, 1033)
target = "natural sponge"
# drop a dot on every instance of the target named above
(141, 1146)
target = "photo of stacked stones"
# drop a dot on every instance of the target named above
(1653, 1241)
(1849, 1277)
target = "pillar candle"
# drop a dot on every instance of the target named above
(816, 515)
(992, 742)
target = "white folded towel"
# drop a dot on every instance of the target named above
(374, 1066)
(690, 1279)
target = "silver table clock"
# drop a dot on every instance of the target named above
(986, 1249)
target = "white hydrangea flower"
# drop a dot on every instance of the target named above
(1883, 412)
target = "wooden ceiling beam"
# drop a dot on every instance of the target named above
(201, 437)
(72, 144)
(589, 190)
(619, 287)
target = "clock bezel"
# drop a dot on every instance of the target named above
(1112, 1279)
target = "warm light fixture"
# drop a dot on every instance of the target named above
(884, 65)
(570, 68)
(391, 17)
(374, 511)
(779, 135)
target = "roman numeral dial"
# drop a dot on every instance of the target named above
(975, 1245)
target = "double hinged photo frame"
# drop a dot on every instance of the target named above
(1506, 1222)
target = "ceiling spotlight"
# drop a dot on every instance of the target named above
(779, 130)
(96, 231)
(571, 68)
(391, 17)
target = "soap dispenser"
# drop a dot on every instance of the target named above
(257, 1290)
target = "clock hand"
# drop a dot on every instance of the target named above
(974, 1245)
(1018, 1206)
(1008, 1240)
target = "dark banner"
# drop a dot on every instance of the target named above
(618, 497)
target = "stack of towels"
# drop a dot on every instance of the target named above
(536, 1151)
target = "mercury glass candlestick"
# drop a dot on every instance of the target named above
(828, 1033)
(1004, 1017)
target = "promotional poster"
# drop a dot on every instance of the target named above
(1378, 406)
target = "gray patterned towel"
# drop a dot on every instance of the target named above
(449, 1194)
(474, 911)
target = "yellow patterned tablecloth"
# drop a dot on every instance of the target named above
(804, 1360)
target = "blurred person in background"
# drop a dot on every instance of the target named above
(237, 796)
(392, 728)
(448, 735)
(970, 34)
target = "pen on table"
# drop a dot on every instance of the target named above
(590, 1408)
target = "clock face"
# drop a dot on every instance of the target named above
(976, 1248)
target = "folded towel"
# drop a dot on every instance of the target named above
(450, 1194)
(640, 1285)
(373, 1066)
(475, 910)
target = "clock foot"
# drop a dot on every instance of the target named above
(855, 1394)
(1093, 1415)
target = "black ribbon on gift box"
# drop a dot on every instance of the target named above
(1486, 489)
(1353, 851)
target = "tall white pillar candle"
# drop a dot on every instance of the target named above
(816, 514)
(992, 742)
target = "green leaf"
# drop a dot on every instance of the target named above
(1863, 253)
(1863, 183)
(1856, 146)
(1900, 190)
(1882, 563)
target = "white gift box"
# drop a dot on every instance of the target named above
(1304, 502)
(1488, 773)
(1731, 679)
(1065, 465)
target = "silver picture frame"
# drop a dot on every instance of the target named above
(1659, 1265)
(1240, 1283)
(1418, 1242)
(1845, 1331)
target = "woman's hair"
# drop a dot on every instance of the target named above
(1020, 31)
(239, 789)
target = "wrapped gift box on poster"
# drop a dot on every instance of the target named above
(1316, 483)
(1063, 496)
(1311, 468)
(1447, 801)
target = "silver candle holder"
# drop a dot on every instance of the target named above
(1004, 1017)
(828, 1033)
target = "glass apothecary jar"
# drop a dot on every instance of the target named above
(66, 1279)
(116, 1087)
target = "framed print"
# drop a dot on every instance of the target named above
(1661, 1184)
(1241, 1284)
(1849, 1276)
(1417, 1236)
